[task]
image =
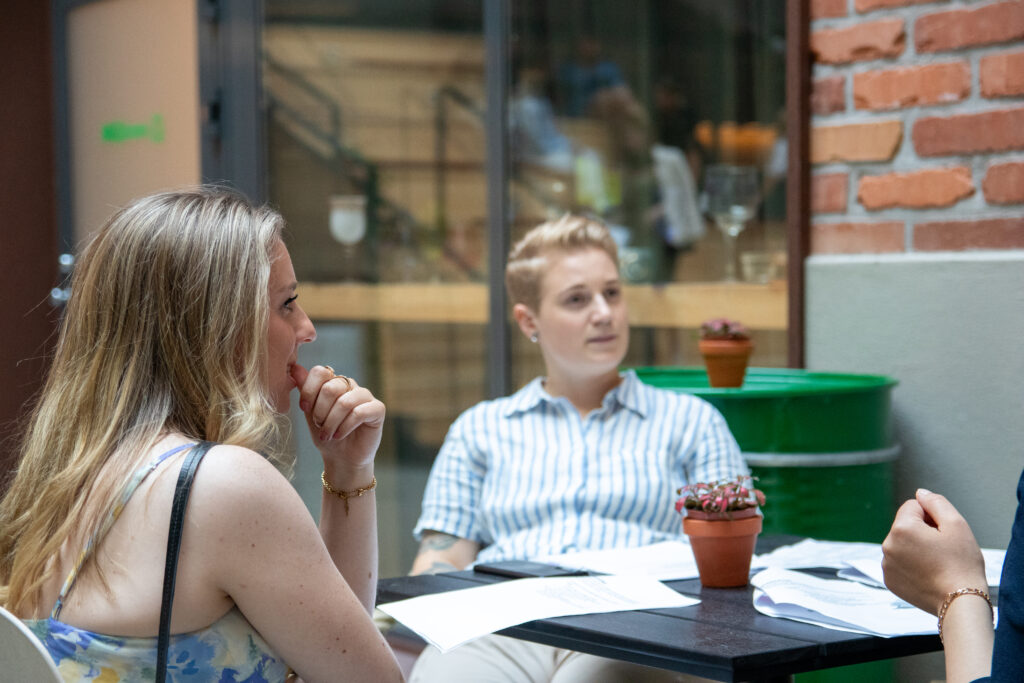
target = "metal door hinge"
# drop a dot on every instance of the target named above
(59, 295)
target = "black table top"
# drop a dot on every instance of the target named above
(723, 637)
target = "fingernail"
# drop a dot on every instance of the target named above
(925, 492)
(325, 436)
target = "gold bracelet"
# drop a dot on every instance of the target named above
(950, 597)
(345, 495)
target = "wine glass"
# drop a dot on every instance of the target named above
(347, 223)
(733, 193)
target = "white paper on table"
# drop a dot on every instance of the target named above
(869, 570)
(837, 604)
(811, 553)
(665, 561)
(452, 618)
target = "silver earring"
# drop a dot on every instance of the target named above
(534, 337)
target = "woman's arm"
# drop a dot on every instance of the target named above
(345, 423)
(929, 553)
(440, 552)
(264, 551)
(451, 501)
(715, 454)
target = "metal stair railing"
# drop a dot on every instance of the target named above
(450, 93)
(321, 134)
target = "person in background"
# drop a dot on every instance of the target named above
(586, 457)
(183, 326)
(588, 74)
(931, 560)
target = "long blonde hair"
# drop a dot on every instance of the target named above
(165, 331)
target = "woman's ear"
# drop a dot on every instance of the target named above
(525, 319)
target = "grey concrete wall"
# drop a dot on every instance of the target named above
(950, 328)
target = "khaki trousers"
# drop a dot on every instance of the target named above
(498, 659)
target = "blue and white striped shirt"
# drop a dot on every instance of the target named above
(526, 475)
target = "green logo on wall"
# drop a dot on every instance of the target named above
(119, 131)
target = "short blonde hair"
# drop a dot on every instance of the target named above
(528, 259)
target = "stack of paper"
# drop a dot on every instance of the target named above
(812, 553)
(868, 570)
(860, 562)
(837, 604)
(666, 561)
(450, 619)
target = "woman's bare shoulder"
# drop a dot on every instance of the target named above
(236, 486)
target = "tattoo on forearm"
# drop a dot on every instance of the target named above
(438, 541)
(439, 567)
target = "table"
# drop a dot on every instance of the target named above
(723, 638)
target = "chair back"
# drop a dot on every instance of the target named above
(23, 655)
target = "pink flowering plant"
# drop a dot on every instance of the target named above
(723, 328)
(724, 496)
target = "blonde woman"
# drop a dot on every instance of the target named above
(183, 327)
(584, 458)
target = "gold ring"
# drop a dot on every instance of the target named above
(334, 375)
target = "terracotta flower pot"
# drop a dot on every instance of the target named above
(722, 547)
(726, 360)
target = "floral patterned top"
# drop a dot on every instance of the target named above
(229, 650)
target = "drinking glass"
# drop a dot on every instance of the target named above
(733, 193)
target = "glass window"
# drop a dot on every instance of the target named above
(663, 117)
(667, 119)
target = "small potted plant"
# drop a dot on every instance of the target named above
(726, 346)
(722, 520)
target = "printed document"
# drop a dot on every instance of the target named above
(455, 617)
(666, 561)
(837, 604)
(811, 553)
(855, 561)
(868, 570)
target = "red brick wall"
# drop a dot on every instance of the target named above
(917, 126)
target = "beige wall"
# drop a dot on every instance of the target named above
(131, 62)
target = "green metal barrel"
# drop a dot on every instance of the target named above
(820, 444)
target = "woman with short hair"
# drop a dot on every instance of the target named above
(585, 458)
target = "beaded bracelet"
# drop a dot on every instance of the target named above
(950, 597)
(345, 495)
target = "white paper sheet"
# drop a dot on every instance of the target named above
(450, 619)
(869, 570)
(837, 604)
(666, 561)
(812, 553)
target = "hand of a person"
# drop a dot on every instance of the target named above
(345, 420)
(930, 551)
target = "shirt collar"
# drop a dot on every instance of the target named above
(628, 394)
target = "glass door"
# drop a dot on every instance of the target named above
(375, 143)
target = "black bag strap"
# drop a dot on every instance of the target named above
(181, 491)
